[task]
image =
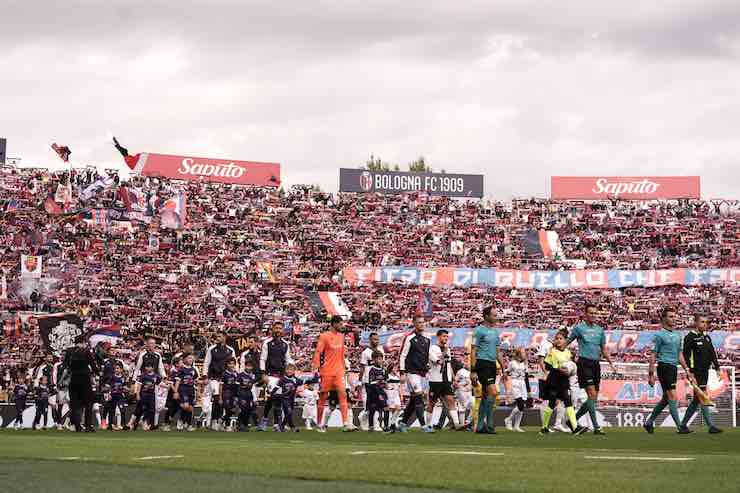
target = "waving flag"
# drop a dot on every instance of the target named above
(265, 271)
(30, 266)
(110, 334)
(174, 212)
(96, 187)
(424, 306)
(324, 303)
(62, 151)
(58, 331)
(542, 243)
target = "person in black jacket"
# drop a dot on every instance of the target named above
(699, 353)
(414, 363)
(82, 366)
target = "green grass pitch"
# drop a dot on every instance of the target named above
(627, 460)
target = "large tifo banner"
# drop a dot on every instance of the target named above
(616, 340)
(208, 169)
(624, 187)
(528, 279)
(450, 185)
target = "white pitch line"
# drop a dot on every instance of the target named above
(68, 458)
(616, 457)
(461, 452)
(153, 457)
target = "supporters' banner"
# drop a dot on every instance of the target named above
(96, 187)
(617, 341)
(153, 244)
(529, 279)
(327, 303)
(265, 271)
(58, 332)
(3, 288)
(63, 195)
(624, 187)
(31, 266)
(542, 243)
(209, 169)
(450, 185)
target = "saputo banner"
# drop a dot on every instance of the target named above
(208, 169)
(447, 184)
(624, 187)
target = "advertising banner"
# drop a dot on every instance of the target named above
(390, 182)
(624, 187)
(464, 277)
(617, 341)
(208, 169)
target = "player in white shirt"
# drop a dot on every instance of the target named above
(518, 373)
(310, 398)
(393, 395)
(365, 364)
(542, 351)
(463, 392)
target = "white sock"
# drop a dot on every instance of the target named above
(327, 416)
(559, 414)
(455, 419)
(514, 414)
(394, 416)
(428, 418)
(518, 418)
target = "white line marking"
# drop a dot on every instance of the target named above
(152, 457)
(460, 452)
(69, 458)
(615, 457)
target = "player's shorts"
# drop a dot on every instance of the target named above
(589, 373)
(332, 382)
(215, 386)
(62, 397)
(439, 390)
(518, 390)
(245, 399)
(415, 383)
(187, 396)
(394, 398)
(542, 389)
(667, 376)
(486, 371)
(272, 383)
(377, 400)
(702, 377)
(333, 398)
(464, 400)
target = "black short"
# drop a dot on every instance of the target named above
(542, 389)
(702, 376)
(333, 398)
(589, 373)
(486, 371)
(558, 388)
(439, 390)
(667, 376)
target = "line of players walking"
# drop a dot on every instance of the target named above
(231, 387)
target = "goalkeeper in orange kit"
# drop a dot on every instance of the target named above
(328, 361)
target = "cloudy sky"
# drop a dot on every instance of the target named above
(516, 90)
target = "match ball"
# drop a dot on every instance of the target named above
(570, 368)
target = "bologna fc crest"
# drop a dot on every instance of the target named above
(366, 181)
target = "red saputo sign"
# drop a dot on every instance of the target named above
(209, 169)
(624, 187)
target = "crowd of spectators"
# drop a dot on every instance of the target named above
(183, 284)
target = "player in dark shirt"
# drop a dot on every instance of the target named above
(114, 395)
(285, 391)
(377, 401)
(247, 379)
(229, 392)
(184, 393)
(20, 393)
(42, 401)
(173, 407)
(146, 390)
